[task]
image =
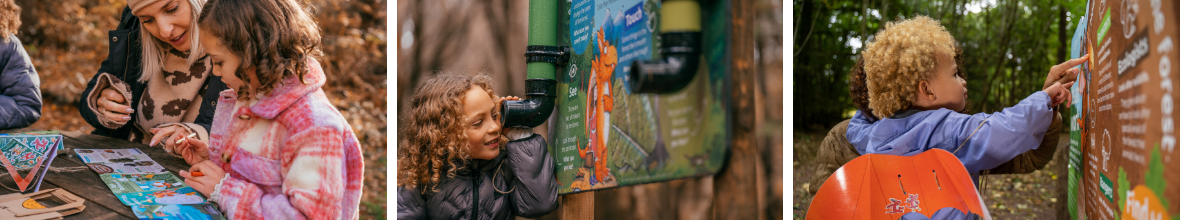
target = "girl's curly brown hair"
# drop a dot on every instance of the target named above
(433, 136)
(9, 19)
(277, 37)
(899, 57)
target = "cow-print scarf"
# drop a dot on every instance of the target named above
(173, 96)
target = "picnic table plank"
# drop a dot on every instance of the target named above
(7, 181)
(98, 191)
(92, 210)
(86, 184)
(101, 203)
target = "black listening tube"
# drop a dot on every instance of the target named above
(534, 109)
(681, 57)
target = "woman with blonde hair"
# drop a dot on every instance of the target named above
(155, 87)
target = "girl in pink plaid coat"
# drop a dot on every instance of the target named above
(278, 148)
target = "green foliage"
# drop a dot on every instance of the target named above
(1123, 187)
(1154, 178)
(1008, 48)
(376, 208)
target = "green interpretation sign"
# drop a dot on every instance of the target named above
(603, 135)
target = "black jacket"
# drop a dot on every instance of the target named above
(526, 174)
(124, 61)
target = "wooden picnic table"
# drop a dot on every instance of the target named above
(101, 203)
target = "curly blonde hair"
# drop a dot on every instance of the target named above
(433, 139)
(900, 56)
(9, 19)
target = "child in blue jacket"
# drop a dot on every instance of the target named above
(20, 95)
(916, 90)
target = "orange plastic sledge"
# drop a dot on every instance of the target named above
(878, 186)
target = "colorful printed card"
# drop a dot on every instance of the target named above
(145, 166)
(177, 212)
(111, 155)
(28, 152)
(183, 195)
(133, 183)
(149, 189)
(49, 138)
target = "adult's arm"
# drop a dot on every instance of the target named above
(834, 152)
(20, 95)
(120, 65)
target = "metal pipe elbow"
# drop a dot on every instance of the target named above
(677, 68)
(534, 109)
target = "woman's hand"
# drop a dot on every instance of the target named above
(114, 106)
(207, 183)
(177, 140)
(169, 136)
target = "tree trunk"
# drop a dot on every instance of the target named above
(1001, 54)
(1062, 30)
(736, 184)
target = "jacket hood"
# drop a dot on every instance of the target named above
(883, 133)
(290, 90)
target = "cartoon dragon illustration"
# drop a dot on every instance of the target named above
(599, 106)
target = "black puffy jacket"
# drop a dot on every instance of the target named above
(124, 59)
(525, 172)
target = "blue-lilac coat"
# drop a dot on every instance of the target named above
(20, 93)
(1007, 133)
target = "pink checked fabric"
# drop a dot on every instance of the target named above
(306, 162)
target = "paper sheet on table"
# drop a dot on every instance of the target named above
(111, 155)
(133, 183)
(177, 212)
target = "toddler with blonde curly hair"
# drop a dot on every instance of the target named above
(917, 93)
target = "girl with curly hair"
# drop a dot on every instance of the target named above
(20, 95)
(453, 162)
(278, 148)
(916, 94)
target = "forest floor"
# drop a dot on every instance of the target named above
(1008, 196)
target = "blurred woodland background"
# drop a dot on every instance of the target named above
(467, 37)
(67, 40)
(1008, 48)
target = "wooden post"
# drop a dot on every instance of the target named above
(735, 189)
(577, 206)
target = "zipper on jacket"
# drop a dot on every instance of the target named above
(475, 195)
(127, 58)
